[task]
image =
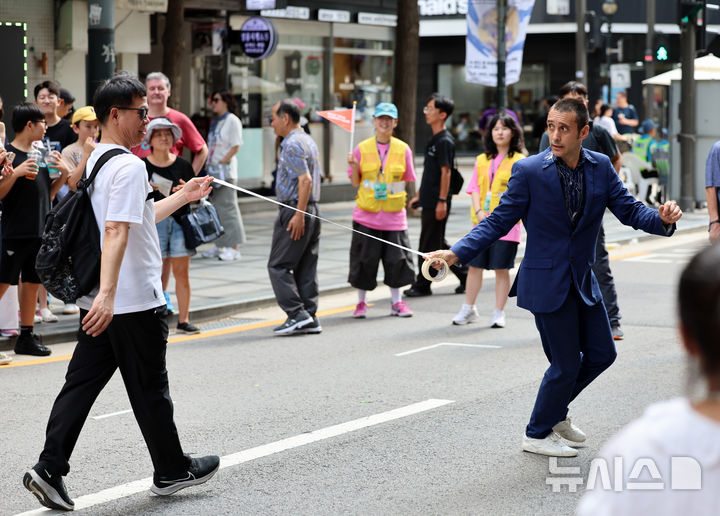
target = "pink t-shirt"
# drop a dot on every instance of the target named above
(516, 231)
(190, 136)
(385, 220)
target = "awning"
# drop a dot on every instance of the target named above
(706, 68)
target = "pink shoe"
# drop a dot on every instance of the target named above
(400, 309)
(360, 310)
(8, 333)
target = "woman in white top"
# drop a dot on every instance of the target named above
(224, 140)
(606, 121)
(677, 441)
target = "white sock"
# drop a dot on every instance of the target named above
(396, 295)
(361, 295)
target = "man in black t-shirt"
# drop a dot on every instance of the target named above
(59, 131)
(434, 196)
(598, 140)
(25, 195)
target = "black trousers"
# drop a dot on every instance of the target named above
(432, 238)
(135, 343)
(602, 271)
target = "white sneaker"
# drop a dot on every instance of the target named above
(47, 315)
(71, 308)
(468, 313)
(211, 253)
(551, 446)
(228, 254)
(498, 319)
(567, 430)
(38, 318)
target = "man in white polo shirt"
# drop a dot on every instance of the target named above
(122, 322)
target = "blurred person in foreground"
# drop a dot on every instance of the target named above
(680, 436)
(561, 196)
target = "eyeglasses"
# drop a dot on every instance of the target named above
(428, 109)
(40, 122)
(142, 111)
(215, 99)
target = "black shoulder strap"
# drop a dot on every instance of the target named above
(86, 182)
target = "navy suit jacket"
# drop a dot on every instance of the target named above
(557, 256)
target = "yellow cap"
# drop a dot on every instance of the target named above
(84, 113)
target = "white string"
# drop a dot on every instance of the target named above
(243, 190)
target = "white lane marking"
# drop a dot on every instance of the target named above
(112, 414)
(139, 486)
(418, 350)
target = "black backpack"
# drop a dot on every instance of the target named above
(68, 262)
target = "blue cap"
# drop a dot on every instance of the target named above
(647, 126)
(386, 109)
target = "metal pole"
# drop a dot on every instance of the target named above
(101, 44)
(501, 55)
(581, 65)
(608, 48)
(649, 50)
(687, 116)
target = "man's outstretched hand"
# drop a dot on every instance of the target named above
(445, 254)
(670, 212)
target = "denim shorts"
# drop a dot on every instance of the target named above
(172, 240)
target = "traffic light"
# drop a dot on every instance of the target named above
(661, 54)
(688, 11)
(594, 38)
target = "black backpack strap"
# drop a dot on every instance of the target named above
(86, 182)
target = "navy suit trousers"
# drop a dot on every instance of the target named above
(578, 343)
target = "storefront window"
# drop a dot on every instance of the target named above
(471, 100)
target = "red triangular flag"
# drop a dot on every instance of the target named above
(341, 117)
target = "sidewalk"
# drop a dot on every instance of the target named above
(222, 288)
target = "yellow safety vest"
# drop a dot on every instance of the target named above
(392, 176)
(499, 183)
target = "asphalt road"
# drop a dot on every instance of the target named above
(341, 423)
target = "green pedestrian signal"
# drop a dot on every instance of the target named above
(662, 54)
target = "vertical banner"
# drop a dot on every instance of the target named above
(481, 41)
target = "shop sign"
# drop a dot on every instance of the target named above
(152, 6)
(558, 7)
(333, 15)
(257, 5)
(442, 7)
(295, 13)
(258, 37)
(390, 20)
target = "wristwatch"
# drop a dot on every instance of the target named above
(443, 199)
(713, 222)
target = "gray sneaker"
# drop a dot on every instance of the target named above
(313, 327)
(291, 326)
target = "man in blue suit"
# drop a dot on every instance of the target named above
(561, 196)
